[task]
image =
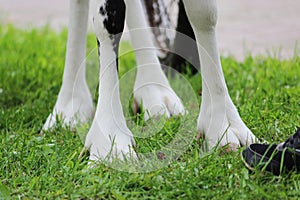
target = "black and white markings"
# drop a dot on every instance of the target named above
(113, 15)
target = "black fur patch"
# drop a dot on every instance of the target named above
(98, 44)
(114, 20)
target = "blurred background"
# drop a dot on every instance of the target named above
(270, 27)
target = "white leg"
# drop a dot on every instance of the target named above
(74, 103)
(151, 87)
(219, 120)
(109, 135)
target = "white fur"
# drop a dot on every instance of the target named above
(108, 135)
(109, 132)
(218, 120)
(151, 88)
(74, 104)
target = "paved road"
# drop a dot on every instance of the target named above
(243, 25)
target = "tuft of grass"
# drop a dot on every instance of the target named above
(266, 91)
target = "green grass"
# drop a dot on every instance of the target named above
(266, 91)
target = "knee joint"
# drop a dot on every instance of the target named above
(202, 14)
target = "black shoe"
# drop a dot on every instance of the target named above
(278, 159)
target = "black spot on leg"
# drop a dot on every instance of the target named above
(114, 23)
(102, 10)
(114, 13)
(98, 45)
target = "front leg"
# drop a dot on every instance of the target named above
(109, 135)
(219, 120)
(151, 88)
(74, 104)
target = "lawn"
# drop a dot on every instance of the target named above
(266, 91)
